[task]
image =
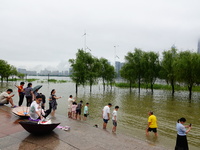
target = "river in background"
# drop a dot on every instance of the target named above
(132, 115)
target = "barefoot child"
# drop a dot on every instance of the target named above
(114, 118)
(73, 108)
(70, 101)
(86, 111)
(78, 110)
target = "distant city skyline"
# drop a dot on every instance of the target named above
(44, 72)
(118, 65)
(198, 47)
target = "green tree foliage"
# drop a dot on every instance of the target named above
(133, 67)
(3, 64)
(92, 68)
(141, 66)
(188, 69)
(137, 58)
(79, 66)
(127, 72)
(6, 70)
(106, 72)
(151, 67)
(21, 75)
(87, 69)
(167, 67)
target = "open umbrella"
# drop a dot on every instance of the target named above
(21, 111)
(37, 88)
(35, 128)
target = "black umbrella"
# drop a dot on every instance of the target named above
(22, 111)
(35, 128)
(37, 88)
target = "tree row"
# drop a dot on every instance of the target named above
(140, 67)
(174, 67)
(7, 70)
(87, 69)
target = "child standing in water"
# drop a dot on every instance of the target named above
(114, 119)
(78, 110)
(86, 111)
(73, 108)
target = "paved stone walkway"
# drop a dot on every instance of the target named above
(81, 136)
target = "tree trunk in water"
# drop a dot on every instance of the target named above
(190, 91)
(104, 85)
(172, 85)
(90, 88)
(151, 88)
(139, 84)
(130, 85)
(76, 88)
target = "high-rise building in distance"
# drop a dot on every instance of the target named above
(198, 47)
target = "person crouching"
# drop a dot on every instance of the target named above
(36, 111)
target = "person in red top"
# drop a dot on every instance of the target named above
(21, 93)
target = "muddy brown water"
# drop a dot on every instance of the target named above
(132, 114)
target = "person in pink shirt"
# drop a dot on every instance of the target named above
(73, 108)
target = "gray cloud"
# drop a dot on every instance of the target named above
(48, 33)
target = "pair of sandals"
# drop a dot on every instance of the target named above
(13, 106)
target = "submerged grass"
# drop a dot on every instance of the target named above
(158, 86)
(24, 80)
(31, 80)
(177, 87)
(57, 81)
(15, 79)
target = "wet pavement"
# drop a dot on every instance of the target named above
(81, 136)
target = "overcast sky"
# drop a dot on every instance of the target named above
(38, 34)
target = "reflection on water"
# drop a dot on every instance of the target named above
(48, 141)
(132, 115)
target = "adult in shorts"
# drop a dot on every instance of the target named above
(106, 114)
(6, 98)
(152, 124)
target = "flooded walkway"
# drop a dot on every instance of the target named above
(81, 136)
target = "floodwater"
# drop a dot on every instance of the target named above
(132, 114)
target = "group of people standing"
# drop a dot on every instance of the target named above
(106, 116)
(181, 140)
(35, 100)
(36, 108)
(29, 93)
(74, 109)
